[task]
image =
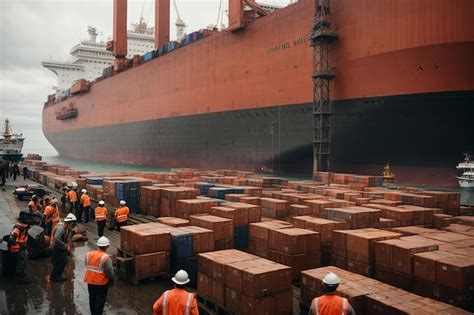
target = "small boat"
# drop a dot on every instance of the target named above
(466, 179)
(10, 144)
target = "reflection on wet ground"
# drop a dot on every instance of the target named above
(71, 296)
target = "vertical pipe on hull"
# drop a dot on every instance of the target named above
(162, 22)
(120, 29)
(236, 15)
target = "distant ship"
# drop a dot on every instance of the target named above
(403, 90)
(466, 179)
(11, 144)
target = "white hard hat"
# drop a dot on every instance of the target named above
(101, 203)
(331, 279)
(181, 277)
(103, 242)
(70, 217)
(84, 191)
(122, 202)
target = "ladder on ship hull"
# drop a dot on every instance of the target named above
(321, 38)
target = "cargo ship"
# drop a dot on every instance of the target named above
(403, 92)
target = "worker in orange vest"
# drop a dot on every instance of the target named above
(99, 275)
(85, 206)
(33, 204)
(101, 214)
(121, 215)
(330, 303)
(17, 243)
(72, 198)
(51, 217)
(177, 301)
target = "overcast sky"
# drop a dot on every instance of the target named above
(36, 30)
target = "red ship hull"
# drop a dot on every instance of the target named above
(243, 100)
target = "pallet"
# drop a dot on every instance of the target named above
(125, 269)
(135, 218)
(211, 307)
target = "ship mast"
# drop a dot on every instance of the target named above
(7, 131)
(321, 38)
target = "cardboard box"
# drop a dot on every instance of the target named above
(294, 241)
(456, 272)
(361, 246)
(149, 265)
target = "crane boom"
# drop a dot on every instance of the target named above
(176, 8)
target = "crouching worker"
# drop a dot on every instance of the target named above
(61, 247)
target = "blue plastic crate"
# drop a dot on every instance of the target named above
(241, 237)
(181, 245)
(95, 181)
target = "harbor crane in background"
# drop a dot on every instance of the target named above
(180, 25)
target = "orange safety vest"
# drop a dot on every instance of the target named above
(330, 304)
(101, 213)
(95, 268)
(121, 214)
(85, 200)
(72, 196)
(176, 301)
(19, 231)
(52, 213)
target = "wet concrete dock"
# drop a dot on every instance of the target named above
(71, 296)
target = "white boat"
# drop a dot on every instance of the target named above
(10, 144)
(466, 179)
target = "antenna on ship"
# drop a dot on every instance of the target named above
(7, 131)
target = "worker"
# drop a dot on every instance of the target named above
(33, 204)
(61, 247)
(16, 171)
(85, 206)
(101, 214)
(25, 172)
(72, 198)
(177, 301)
(99, 275)
(18, 246)
(64, 193)
(121, 215)
(330, 303)
(51, 217)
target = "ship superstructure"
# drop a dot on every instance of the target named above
(90, 57)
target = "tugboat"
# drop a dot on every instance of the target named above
(466, 180)
(11, 144)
